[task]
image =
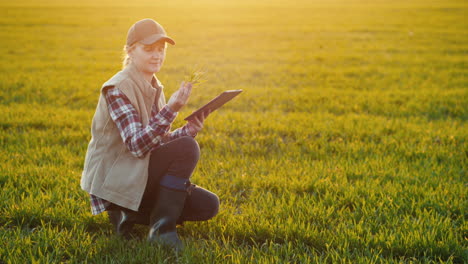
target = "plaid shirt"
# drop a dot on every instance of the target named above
(139, 140)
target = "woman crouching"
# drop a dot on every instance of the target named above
(135, 168)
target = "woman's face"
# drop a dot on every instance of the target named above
(149, 58)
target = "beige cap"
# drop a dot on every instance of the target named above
(147, 31)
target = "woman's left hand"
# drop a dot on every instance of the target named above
(195, 125)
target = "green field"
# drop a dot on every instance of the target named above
(348, 145)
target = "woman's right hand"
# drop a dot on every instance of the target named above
(180, 97)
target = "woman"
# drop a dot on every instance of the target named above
(135, 168)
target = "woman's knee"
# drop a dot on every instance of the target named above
(189, 147)
(213, 206)
(201, 205)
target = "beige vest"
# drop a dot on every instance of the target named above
(111, 172)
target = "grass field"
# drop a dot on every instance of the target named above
(348, 145)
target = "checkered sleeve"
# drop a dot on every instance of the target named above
(139, 139)
(182, 132)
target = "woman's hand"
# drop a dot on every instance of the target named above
(195, 125)
(180, 97)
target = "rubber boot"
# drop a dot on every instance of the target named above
(123, 221)
(164, 216)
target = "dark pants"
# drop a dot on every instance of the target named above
(179, 158)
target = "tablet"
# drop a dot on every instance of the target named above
(216, 103)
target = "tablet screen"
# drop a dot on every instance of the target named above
(216, 103)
